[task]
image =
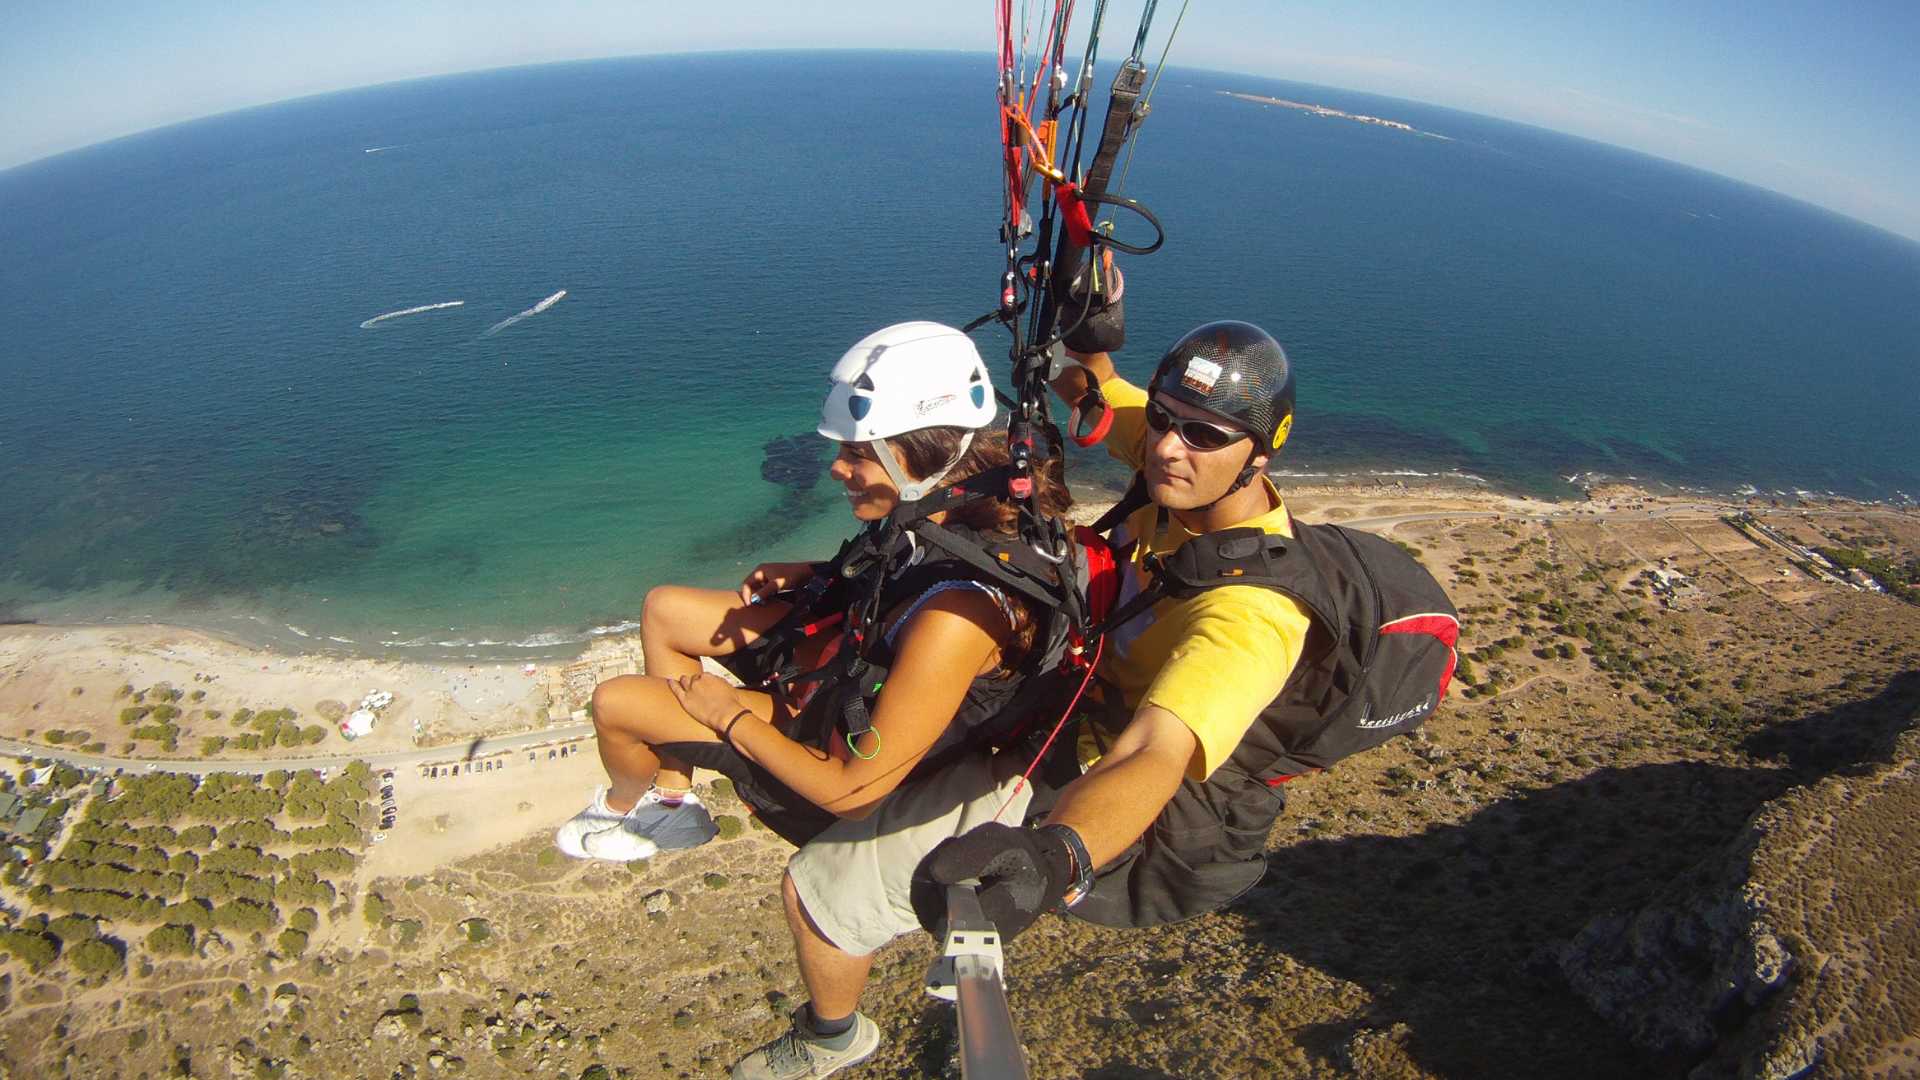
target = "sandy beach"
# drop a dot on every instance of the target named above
(75, 678)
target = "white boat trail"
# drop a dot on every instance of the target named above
(527, 314)
(369, 324)
(377, 149)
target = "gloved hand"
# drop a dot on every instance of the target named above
(1095, 318)
(1022, 874)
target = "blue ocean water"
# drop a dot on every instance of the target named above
(195, 427)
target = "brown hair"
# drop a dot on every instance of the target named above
(927, 449)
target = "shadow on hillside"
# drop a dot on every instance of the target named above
(1453, 931)
(1855, 734)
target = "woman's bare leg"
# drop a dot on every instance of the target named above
(635, 714)
(679, 625)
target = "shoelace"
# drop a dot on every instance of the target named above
(789, 1050)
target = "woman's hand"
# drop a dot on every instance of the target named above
(774, 577)
(707, 698)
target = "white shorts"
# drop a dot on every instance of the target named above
(854, 879)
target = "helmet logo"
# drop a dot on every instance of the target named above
(1200, 375)
(927, 406)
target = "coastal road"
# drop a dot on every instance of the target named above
(391, 759)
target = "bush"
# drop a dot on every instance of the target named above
(728, 825)
(96, 957)
(171, 940)
(407, 931)
(212, 744)
(304, 920)
(71, 929)
(35, 948)
(478, 930)
(377, 909)
(292, 942)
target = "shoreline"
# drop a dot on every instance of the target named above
(1310, 492)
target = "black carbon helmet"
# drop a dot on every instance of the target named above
(1234, 370)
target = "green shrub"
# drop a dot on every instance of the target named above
(96, 957)
(171, 940)
(35, 948)
(304, 920)
(292, 942)
(728, 825)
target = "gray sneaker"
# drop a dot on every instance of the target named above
(801, 1055)
(653, 826)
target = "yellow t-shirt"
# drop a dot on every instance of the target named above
(1214, 660)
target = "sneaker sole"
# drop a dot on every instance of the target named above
(869, 1039)
(646, 849)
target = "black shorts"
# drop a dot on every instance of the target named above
(778, 806)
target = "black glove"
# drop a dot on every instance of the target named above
(1022, 874)
(1095, 319)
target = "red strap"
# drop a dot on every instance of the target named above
(1073, 213)
(1100, 428)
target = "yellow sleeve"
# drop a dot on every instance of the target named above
(1236, 649)
(1129, 404)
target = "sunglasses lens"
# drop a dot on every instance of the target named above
(1195, 433)
(1204, 436)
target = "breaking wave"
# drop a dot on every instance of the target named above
(369, 324)
(527, 314)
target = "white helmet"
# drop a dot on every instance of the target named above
(906, 377)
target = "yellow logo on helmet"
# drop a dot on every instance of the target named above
(1280, 433)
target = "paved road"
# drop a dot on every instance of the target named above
(388, 760)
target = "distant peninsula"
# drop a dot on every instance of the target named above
(1341, 114)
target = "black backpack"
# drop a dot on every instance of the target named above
(1376, 664)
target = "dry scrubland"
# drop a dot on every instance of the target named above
(1640, 840)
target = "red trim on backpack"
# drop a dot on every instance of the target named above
(1443, 627)
(1103, 574)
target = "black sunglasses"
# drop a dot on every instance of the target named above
(1197, 434)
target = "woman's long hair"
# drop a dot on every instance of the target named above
(927, 449)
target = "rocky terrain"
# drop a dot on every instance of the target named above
(1651, 834)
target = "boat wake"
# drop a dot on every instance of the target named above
(527, 314)
(369, 324)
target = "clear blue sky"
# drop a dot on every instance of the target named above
(1817, 100)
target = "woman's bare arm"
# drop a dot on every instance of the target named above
(943, 646)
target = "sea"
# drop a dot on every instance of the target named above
(304, 375)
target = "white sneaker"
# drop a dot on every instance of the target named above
(653, 825)
(595, 819)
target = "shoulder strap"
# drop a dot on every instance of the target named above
(1134, 499)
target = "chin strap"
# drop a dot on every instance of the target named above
(915, 490)
(1247, 473)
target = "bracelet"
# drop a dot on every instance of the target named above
(727, 735)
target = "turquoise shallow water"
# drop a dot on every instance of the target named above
(195, 427)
